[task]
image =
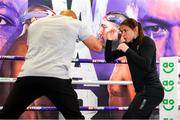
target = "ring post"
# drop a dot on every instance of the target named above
(169, 76)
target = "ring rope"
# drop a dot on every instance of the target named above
(75, 60)
(3, 57)
(89, 82)
(82, 108)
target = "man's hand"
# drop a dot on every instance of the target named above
(112, 34)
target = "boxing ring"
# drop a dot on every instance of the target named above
(169, 76)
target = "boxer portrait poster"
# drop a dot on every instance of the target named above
(160, 24)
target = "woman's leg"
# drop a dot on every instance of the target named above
(143, 104)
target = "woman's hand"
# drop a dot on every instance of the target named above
(122, 47)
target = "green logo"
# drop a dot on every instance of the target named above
(168, 85)
(168, 119)
(168, 104)
(168, 67)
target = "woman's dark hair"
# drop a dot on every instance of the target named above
(132, 23)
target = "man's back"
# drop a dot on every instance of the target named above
(51, 43)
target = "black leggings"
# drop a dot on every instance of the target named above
(27, 89)
(144, 103)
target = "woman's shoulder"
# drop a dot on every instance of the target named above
(147, 38)
(148, 41)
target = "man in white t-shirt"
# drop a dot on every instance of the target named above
(51, 44)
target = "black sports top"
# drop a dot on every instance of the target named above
(141, 59)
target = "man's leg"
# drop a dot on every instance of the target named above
(22, 94)
(65, 99)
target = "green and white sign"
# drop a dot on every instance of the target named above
(169, 76)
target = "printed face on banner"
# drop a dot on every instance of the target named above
(161, 21)
(10, 25)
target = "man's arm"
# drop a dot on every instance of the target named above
(93, 43)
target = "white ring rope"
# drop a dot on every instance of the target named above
(89, 82)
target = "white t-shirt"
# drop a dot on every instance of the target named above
(51, 45)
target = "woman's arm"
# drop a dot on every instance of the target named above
(111, 55)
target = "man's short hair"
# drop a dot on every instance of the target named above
(69, 13)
